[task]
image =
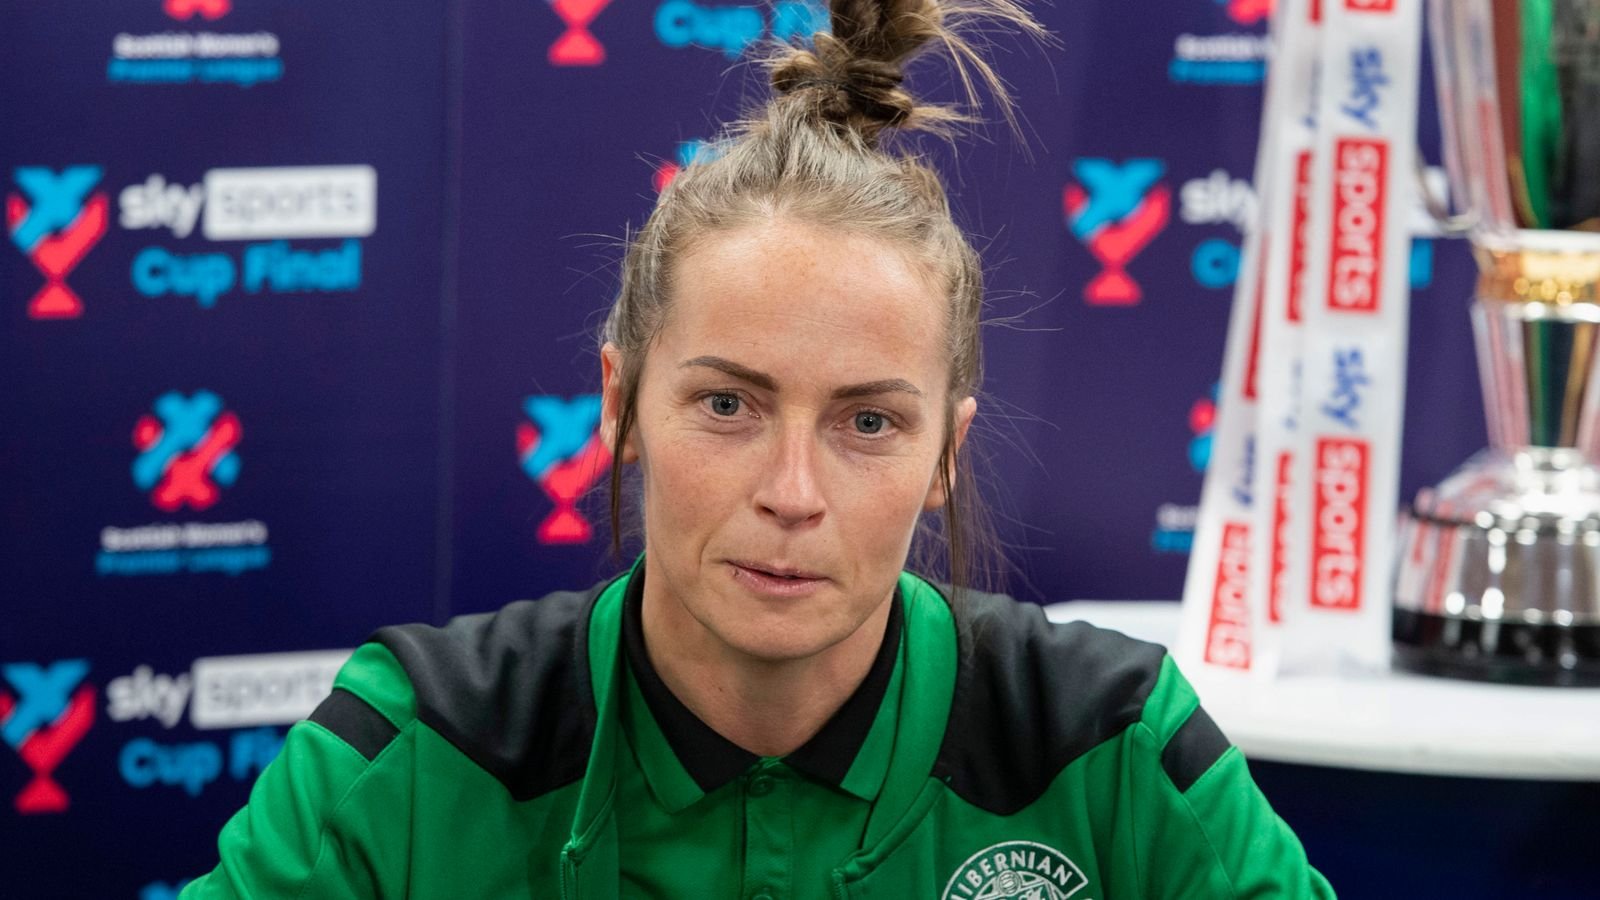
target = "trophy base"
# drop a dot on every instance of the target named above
(1502, 652)
(1499, 572)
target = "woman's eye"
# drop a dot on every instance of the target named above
(724, 404)
(870, 422)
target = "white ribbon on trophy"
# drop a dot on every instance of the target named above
(1290, 566)
(1219, 624)
(1288, 173)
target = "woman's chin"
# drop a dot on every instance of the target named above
(780, 641)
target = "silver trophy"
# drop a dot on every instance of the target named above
(1499, 569)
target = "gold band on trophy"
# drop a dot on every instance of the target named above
(1539, 276)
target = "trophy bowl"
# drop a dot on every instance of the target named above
(1498, 575)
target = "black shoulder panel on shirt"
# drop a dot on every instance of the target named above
(355, 722)
(509, 689)
(1032, 696)
(1193, 748)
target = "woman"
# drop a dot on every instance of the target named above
(766, 705)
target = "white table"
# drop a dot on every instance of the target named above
(1390, 721)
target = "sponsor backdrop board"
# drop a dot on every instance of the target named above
(299, 307)
(221, 364)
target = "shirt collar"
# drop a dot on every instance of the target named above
(851, 752)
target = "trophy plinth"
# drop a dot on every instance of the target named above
(1500, 572)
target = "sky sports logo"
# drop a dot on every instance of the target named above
(1228, 630)
(259, 205)
(1217, 199)
(55, 226)
(1278, 584)
(261, 689)
(1340, 482)
(246, 204)
(59, 217)
(1361, 170)
(1297, 233)
(1220, 198)
(248, 693)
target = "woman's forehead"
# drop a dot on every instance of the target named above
(800, 298)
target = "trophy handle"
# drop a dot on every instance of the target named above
(1470, 122)
(1450, 224)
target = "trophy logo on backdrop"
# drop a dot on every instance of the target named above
(55, 226)
(688, 152)
(1116, 210)
(559, 447)
(47, 715)
(188, 9)
(1248, 12)
(577, 46)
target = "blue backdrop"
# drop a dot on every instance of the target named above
(299, 303)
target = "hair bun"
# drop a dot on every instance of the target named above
(865, 94)
(852, 76)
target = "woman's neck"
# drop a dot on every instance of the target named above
(768, 707)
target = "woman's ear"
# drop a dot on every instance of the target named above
(964, 412)
(611, 401)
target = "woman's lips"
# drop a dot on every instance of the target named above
(779, 583)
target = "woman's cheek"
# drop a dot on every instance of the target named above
(696, 470)
(877, 501)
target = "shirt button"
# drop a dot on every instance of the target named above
(762, 896)
(760, 786)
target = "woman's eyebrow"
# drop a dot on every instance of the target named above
(768, 383)
(729, 367)
(881, 386)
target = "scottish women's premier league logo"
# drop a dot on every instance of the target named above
(186, 451)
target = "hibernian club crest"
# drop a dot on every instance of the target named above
(1016, 870)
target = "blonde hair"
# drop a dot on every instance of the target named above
(814, 155)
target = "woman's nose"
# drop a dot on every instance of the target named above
(790, 490)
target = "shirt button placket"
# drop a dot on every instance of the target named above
(769, 834)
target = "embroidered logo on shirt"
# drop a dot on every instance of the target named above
(1016, 870)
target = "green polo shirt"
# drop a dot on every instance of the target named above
(771, 827)
(523, 754)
